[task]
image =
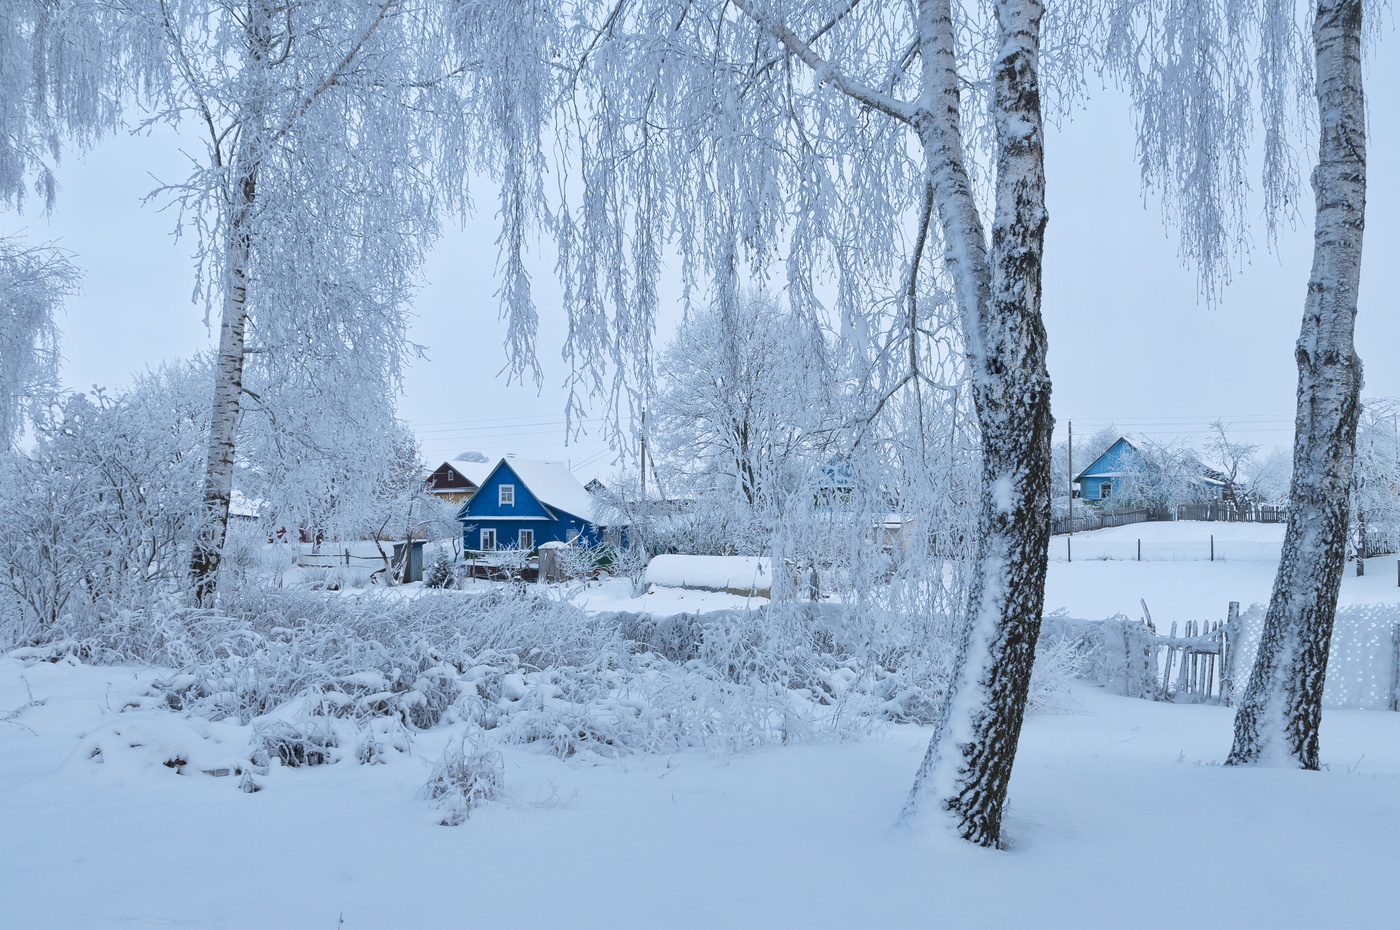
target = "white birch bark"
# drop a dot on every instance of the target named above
(233, 323)
(968, 764)
(1278, 717)
(228, 389)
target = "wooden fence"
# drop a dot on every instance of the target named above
(1210, 660)
(1086, 518)
(1228, 512)
(1101, 520)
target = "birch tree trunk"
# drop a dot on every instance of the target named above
(233, 321)
(968, 764)
(1278, 717)
(228, 393)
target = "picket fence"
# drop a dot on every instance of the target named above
(1210, 660)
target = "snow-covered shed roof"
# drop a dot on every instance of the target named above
(554, 486)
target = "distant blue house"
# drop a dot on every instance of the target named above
(522, 503)
(1104, 478)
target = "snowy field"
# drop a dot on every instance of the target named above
(1120, 816)
(1187, 589)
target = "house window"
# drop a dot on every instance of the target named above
(488, 539)
(1105, 490)
(505, 495)
(527, 540)
(571, 535)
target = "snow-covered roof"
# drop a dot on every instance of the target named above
(241, 505)
(554, 485)
(475, 472)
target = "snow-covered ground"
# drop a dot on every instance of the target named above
(1181, 588)
(1121, 815)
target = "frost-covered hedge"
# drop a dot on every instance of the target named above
(288, 678)
(1361, 670)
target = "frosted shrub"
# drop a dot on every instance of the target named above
(440, 573)
(312, 741)
(1058, 661)
(469, 774)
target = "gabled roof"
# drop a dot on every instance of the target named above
(553, 485)
(1109, 464)
(1098, 468)
(451, 470)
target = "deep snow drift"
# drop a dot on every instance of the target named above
(1120, 816)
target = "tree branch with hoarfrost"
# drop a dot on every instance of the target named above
(794, 134)
(1196, 73)
(337, 132)
(34, 280)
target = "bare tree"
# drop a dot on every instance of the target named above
(1235, 462)
(742, 405)
(1375, 495)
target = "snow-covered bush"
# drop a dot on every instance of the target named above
(469, 774)
(97, 517)
(440, 573)
(311, 741)
(1058, 661)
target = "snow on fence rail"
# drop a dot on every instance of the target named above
(1209, 549)
(1212, 659)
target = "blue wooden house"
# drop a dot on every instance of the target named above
(1104, 478)
(523, 503)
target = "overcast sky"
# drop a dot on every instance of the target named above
(1129, 341)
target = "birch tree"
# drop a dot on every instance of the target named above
(1279, 714)
(834, 139)
(1195, 74)
(335, 134)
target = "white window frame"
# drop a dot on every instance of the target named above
(505, 495)
(526, 539)
(1105, 490)
(571, 535)
(488, 540)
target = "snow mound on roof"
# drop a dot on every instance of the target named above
(555, 486)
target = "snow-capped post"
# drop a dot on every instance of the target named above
(1281, 708)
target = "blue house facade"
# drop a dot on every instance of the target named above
(1096, 482)
(1106, 476)
(523, 503)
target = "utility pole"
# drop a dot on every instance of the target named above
(1071, 477)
